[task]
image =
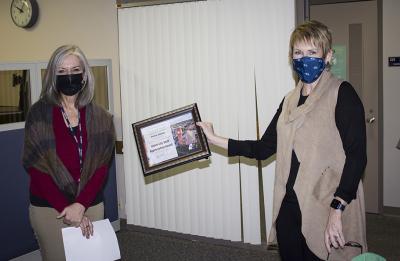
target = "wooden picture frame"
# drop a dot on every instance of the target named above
(170, 139)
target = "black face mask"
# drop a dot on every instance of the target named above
(69, 84)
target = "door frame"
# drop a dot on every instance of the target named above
(305, 14)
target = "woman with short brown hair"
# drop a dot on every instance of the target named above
(318, 135)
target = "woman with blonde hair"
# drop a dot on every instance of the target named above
(318, 135)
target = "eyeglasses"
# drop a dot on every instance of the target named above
(350, 244)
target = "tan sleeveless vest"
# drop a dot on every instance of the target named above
(310, 130)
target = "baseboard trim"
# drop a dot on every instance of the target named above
(35, 255)
(31, 256)
(395, 211)
(190, 237)
(116, 225)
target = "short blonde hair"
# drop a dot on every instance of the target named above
(312, 32)
(49, 89)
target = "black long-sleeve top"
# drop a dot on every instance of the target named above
(349, 118)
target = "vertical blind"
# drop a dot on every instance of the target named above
(218, 54)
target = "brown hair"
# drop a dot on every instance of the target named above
(312, 32)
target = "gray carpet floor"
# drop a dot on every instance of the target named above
(138, 243)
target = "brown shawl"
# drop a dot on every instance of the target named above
(40, 148)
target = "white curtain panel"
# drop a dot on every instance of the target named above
(212, 53)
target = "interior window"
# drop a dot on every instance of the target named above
(14, 95)
(101, 86)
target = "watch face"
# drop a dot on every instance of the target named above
(23, 12)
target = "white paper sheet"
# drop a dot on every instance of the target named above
(102, 246)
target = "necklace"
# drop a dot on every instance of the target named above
(79, 141)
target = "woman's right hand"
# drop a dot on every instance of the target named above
(211, 137)
(73, 214)
(208, 130)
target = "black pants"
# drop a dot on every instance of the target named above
(292, 244)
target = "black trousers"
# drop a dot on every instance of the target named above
(292, 244)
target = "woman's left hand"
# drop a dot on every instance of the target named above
(86, 227)
(333, 232)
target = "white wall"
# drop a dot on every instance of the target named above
(391, 104)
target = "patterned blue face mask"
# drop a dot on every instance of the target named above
(309, 68)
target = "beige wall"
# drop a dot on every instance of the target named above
(391, 105)
(91, 24)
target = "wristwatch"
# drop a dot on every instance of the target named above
(336, 204)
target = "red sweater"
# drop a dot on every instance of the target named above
(42, 185)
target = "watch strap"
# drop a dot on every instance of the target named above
(336, 204)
